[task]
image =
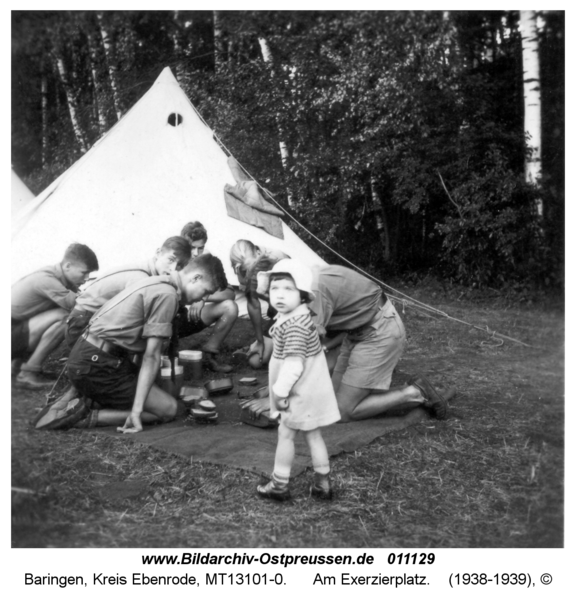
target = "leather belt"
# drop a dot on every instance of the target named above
(105, 345)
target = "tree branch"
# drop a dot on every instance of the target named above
(449, 196)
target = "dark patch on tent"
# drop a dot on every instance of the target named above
(245, 203)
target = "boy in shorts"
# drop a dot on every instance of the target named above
(346, 301)
(41, 302)
(136, 322)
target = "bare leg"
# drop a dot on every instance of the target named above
(223, 315)
(109, 416)
(159, 406)
(15, 366)
(284, 452)
(318, 451)
(46, 334)
(321, 486)
(356, 404)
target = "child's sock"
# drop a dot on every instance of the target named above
(280, 480)
(276, 488)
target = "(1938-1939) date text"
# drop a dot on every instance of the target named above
(458, 579)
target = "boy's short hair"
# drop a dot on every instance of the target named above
(211, 267)
(180, 246)
(81, 253)
(195, 231)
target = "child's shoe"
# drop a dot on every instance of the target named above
(321, 488)
(275, 490)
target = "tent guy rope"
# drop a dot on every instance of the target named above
(394, 294)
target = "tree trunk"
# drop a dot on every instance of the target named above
(44, 113)
(72, 104)
(532, 105)
(284, 154)
(177, 47)
(218, 41)
(381, 220)
(111, 64)
(98, 92)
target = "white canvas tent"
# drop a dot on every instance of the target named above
(137, 186)
(21, 194)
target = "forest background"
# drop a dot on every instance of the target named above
(398, 138)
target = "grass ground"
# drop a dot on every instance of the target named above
(492, 475)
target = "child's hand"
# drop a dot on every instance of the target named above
(282, 403)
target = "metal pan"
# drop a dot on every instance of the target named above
(219, 386)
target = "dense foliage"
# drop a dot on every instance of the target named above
(403, 131)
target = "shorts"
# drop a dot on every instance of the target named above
(367, 359)
(76, 323)
(187, 327)
(20, 338)
(109, 380)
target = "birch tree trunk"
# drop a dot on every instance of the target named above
(218, 41)
(72, 104)
(111, 64)
(284, 155)
(178, 53)
(96, 82)
(44, 113)
(532, 104)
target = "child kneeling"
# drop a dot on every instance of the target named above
(299, 382)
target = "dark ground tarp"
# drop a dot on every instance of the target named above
(234, 444)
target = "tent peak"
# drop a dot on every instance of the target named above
(166, 76)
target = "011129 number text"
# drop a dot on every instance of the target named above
(405, 558)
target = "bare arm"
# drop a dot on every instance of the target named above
(53, 289)
(220, 296)
(255, 314)
(146, 377)
(195, 309)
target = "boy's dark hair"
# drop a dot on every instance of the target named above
(81, 253)
(195, 231)
(304, 296)
(180, 246)
(211, 267)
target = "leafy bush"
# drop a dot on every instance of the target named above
(495, 238)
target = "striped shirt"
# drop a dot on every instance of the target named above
(296, 336)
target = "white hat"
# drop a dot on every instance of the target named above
(300, 273)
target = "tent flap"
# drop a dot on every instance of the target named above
(238, 210)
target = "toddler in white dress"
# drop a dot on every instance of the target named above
(299, 382)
